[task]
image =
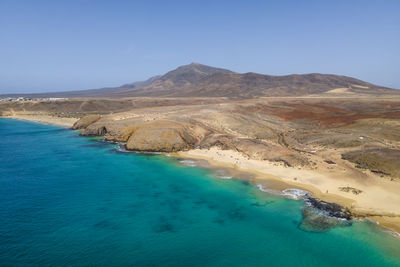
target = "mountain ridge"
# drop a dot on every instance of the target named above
(198, 80)
(224, 83)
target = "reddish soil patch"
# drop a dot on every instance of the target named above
(327, 115)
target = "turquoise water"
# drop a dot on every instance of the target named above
(70, 200)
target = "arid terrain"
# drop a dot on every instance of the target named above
(334, 136)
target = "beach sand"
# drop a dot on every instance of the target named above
(48, 119)
(379, 199)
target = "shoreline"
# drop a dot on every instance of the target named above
(275, 176)
(45, 119)
(278, 177)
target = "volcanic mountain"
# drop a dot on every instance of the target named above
(197, 80)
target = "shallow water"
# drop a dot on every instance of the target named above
(66, 199)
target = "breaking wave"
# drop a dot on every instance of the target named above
(122, 148)
(188, 163)
(296, 194)
(224, 177)
(270, 191)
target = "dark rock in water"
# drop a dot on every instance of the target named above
(316, 221)
(332, 209)
(320, 216)
(245, 182)
(106, 224)
(219, 221)
(164, 227)
(236, 213)
(262, 204)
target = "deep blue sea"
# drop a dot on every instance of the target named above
(71, 200)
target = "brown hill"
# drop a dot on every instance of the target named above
(173, 82)
(196, 80)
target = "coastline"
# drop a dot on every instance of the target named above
(376, 202)
(154, 198)
(46, 119)
(372, 203)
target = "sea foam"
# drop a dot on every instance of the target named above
(296, 194)
(267, 190)
(290, 193)
(224, 177)
(188, 163)
(121, 148)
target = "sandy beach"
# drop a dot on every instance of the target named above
(364, 193)
(48, 119)
(379, 199)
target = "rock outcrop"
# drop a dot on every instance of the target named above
(383, 161)
(330, 209)
(161, 136)
(85, 122)
(140, 135)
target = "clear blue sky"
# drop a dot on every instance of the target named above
(69, 45)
